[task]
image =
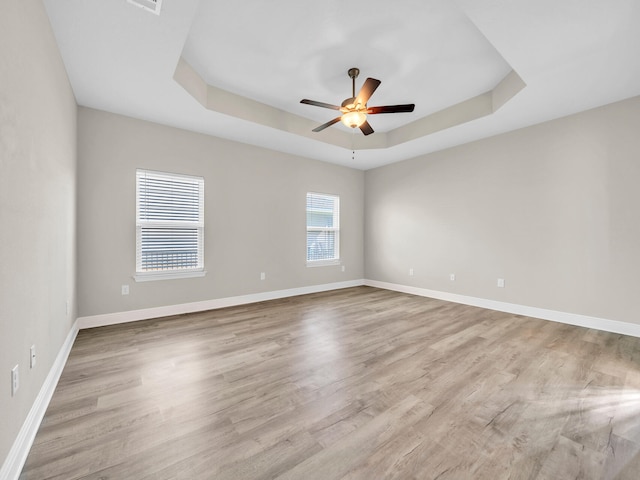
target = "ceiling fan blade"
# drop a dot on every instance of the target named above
(391, 109)
(320, 104)
(367, 90)
(366, 128)
(328, 124)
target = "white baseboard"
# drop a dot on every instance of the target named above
(18, 454)
(613, 326)
(157, 312)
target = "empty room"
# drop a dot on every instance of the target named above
(357, 240)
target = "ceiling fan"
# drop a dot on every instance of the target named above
(354, 109)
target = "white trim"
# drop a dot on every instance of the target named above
(153, 276)
(335, 229)
(18, 454)
(157, 312)
(150, 198)
(323, 263)
(613, 326)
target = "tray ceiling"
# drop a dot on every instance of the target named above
(525, 61)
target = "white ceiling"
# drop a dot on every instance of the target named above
(571, 54)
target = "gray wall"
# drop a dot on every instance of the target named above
(37, 206)
(254, 214)
(553, 209)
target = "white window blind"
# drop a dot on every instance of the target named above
(323, 229)
(169, 223)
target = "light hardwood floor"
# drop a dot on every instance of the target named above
(359, 383)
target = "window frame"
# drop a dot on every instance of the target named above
(168, 274)
(335, 229)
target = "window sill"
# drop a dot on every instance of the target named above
(323, 263)
(152, 276)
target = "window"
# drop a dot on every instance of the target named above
(323, 229)
(169, 225)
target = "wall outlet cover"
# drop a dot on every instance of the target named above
(15, 379)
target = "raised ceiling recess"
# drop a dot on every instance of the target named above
(442, 63)
(249, 63)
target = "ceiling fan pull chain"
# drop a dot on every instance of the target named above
(353, 146)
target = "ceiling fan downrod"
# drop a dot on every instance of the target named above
(353, 74)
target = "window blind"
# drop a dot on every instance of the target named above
(323, 227)
(169, 222)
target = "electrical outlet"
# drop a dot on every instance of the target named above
(263, 275)
(343, 268)
(32, 361)
(500, 283)
(411, 272)
(452, 277)
(15, 380)
(125, 289)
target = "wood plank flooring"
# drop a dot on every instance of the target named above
(356, 384)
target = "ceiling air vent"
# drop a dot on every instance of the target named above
(152, 6)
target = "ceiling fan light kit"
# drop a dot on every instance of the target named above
(354, 109)
(353, 119)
